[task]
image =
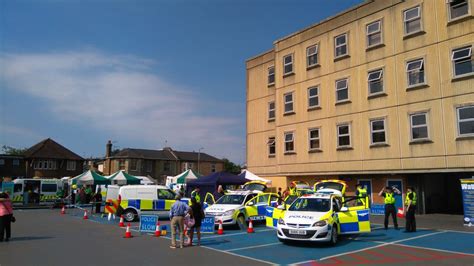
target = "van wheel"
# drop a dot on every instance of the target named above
(130, 215)
(241, 222)
(333, 240)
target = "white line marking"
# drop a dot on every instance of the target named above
(238, 255)
(435, 249)
(258, 246)
(381, 245)
(234, 234)
(433, 229)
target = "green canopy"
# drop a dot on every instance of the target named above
(186, 175)
(122, 178)
(90, 178)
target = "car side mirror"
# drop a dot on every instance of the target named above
(344, 209)
(251, 203)
(281, 207)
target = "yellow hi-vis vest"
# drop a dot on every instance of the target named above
(196, 195)
(407, 199)
(389, 199)
(292, 191)
(362, 195)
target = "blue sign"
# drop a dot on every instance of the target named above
(148, 223)
(467, 187)
(377, 209)
(207, 225)
(7, 187)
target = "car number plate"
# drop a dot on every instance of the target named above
(298, 232)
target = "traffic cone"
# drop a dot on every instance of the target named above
(220, 231)
(250, 229)
(85, 215)
(121, 224)
(157, 230)
(63, 210)
(128, 234)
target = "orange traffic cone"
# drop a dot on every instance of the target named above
(220, 231)
(85, 215)
(250, 229)
(121, 224)
(63, 210)
(157, 230)
(128, 234)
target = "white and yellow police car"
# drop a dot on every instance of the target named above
(321, 218)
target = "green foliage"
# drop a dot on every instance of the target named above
(13, 151)
(230, 167)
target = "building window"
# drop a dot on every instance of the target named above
(466, 121)
(412, 20)
(343, 136)
(149, 166)
(313, 97)
(271, 111)
(375, 80)
(271, 146)
(271, 75)
(312, 56)
(188, 166)
(45, 165)
(416, 72)
(377, 131)
(213, 167)
(121, 164)
(16, 162)
(462, 61)
(288, 64)
(166, 166)
(289, 142)
(288, 102)
(419, 126)
(340, 45)
(133, 165)
(374, 33)
(314, 139)
(458, 8)
(71, 166)
(342, 90)
(2, 162)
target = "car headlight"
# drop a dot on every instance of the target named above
(228, 213)
(280, 221)
(320, 223)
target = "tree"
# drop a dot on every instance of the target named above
(230, 167)
(13, 151)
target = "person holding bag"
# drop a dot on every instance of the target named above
(6, 216)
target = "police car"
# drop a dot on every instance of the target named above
(321, 217)
(239, 206)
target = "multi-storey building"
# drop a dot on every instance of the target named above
(381, 94)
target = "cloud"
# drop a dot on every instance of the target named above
(121, 94)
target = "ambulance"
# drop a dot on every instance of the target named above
(33, 191)
(320, 217)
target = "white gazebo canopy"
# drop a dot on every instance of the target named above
(253, 177)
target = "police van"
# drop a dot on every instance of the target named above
(133, 200)
(321, 217)
(36, 191)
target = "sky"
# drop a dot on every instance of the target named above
(144, 74)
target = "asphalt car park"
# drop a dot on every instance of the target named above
(235, 247)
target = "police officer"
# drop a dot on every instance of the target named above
(410, 205)
(361, 193)
(389, 199)
(195, 194)
(292, 189)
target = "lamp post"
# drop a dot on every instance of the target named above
(199, 158)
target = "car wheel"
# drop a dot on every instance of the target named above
(241, 223)
(130, 215)
(333, 240)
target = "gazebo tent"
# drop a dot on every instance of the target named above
(253, 177)
(185, 176)
(209, 183)
(122, 178)
(89, 178)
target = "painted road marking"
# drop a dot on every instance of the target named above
(238, 255)
(250, 247)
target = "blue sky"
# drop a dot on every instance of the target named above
(144, 74)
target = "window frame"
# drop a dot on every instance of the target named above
(2, 162)
(450, 18)
(17, 162)
(371, 121)
(314, 54)
(380, 31)
(311, 97)
(344, 135)
(292, 111)
(420, 17)
(270, 110)
(131, 165)
(422, 67)
(291, 63)
(292, 140)
(271, 142)
(346, 43)
(453, 61)
(268, 76)
(381, 71)
(310, 139)
(68, 168)
(213, 167)
(427, 124)
(458, 120)
(346, 87)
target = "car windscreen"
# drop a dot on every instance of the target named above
(332, 185)
(231, 199)
(311, 205)
(259, 187)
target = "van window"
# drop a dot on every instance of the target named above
(166, 194)
(49, 187)
(18, 188)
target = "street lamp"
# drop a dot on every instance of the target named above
(199, 158)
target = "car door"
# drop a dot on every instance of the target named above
(209, 199)
(352, 219)
(166, 198)
(256, 207)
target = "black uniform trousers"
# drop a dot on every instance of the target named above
(5, 226)
(410, 219)
(390, 209)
